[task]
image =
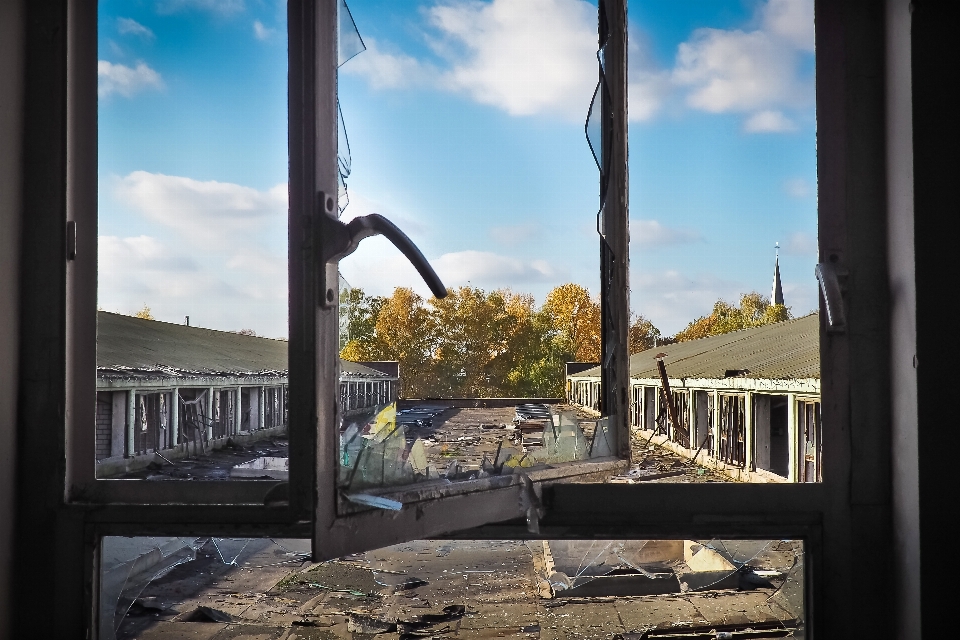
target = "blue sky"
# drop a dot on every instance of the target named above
(465, 122)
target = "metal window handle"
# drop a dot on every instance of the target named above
(340, 240)
(828, 276)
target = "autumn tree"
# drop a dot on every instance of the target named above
(405, 331)
(577, 317)
(473, 343)
(755, 310)
(144, 313)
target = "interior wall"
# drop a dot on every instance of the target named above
(903, 309)
(11, 119)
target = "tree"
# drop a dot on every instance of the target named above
(405, 331)
(358, 313)
(755, 310)
(144, 313)
(577, 317)
(471, 332)
(642, 335)
(473, 343)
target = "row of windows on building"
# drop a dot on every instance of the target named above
(775, 433)
(136, 421)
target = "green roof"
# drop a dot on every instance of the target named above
(787, 350)
(145, 348)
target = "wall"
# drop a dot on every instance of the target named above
(11, 88)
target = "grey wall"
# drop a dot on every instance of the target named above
(11, 96)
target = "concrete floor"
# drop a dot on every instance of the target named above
(272, 595)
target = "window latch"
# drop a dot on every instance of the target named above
(337, 240)
(829, 277)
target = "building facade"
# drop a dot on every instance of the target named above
(746, 403)
(175, 388)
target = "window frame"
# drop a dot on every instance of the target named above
(433, 510)
(828, 516)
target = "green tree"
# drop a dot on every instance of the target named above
(358, 313)
(642, 335)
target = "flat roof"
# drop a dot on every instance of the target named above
(787, 350)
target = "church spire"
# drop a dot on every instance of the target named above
(776, 295)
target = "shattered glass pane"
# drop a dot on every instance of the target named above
(343, 161)
(350, 42)
(146, 579)
(128, 565)
(436, 443)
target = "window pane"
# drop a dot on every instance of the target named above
(192, 284)
(467, 126)
(459, 588)
(725, 337)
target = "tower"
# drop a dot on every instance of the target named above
(776, 294)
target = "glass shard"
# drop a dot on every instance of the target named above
(350, 43)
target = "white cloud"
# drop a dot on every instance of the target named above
(758, 72)
(223, 7)
(768, 122)
(737, 71)
(650, 233)
(130, 27)
(384, 70)
(127, 81)
(647, 85)
(261, 32)
(797, 188)
(134, 271)
(526, 57)
(202, 210)
(523, 56)
(792, 20)
(483, 268)
(646, 92)
(801, 244)
(377, 268)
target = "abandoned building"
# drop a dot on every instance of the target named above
(873, 529)
(168, 387)
(745, 403)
